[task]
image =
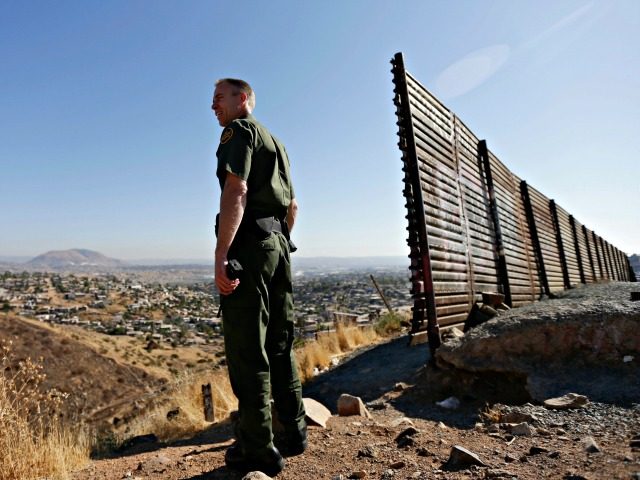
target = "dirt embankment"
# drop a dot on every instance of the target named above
(95, 383)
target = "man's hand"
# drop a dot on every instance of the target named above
(225, 285)
(232, 203)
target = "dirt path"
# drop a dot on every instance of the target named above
(370, 373)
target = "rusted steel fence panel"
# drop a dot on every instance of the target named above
(621, 268)
(591, 252)
(597, 248)
(474, 226)
(614, 267)
(519, 253)
(547, 238)
(579, 251)
(481, 238)
(620, 265)
(445, 218)
(585, 252)
(605, 258)
(569, 247)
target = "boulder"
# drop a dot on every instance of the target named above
(590, 445)
(256, 476)
(317, 413)
(521, 429)
(570, 400)
(349, 405)
(461, 458)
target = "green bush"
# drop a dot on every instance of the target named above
(388, 323)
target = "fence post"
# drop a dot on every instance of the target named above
(533, 232)
(576, 245)
(605, 260)
(563, 258)
(207, 402)
(408, 145)
(586, 241)
(503, 273)
(595, 246)
(614, 263)
(623, 274)
(614, 268)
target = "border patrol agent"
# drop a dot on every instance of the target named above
(257, 210)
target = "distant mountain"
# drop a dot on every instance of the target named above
(75, 258)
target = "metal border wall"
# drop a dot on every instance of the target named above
(474, 226)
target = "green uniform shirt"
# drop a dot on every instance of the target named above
(247, 149)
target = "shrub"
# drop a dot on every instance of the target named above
(389, 323)
(34, 441)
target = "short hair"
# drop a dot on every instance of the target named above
(241, 86)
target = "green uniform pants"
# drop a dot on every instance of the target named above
(258, 333)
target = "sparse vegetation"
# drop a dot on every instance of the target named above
(389, 323)
(318, 354)
(184, 396)
(34, 441)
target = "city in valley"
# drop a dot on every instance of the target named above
(175, 307)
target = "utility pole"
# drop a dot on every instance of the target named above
(375, 284)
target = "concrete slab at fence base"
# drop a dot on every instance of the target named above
(577, 343)
(419, 339)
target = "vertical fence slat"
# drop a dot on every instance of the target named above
(563, 258)
(576, 245)
(535, 240)
(503, 274)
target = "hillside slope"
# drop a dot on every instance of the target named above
(72, 365)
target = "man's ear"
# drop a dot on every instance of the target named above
(244, 98)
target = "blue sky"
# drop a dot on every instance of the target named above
(107, 140)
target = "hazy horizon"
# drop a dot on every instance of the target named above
(204, 261)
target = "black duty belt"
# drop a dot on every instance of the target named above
(270, 224)
(275, 224)
(264, 226)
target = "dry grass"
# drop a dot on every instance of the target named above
(34, 441)
(319, 353)
(184, 399)
(184, 395)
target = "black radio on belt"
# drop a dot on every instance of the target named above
(233, 269)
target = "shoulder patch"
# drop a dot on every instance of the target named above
(226, 135)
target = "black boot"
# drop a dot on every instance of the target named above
(269, 461)
(292, 442)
